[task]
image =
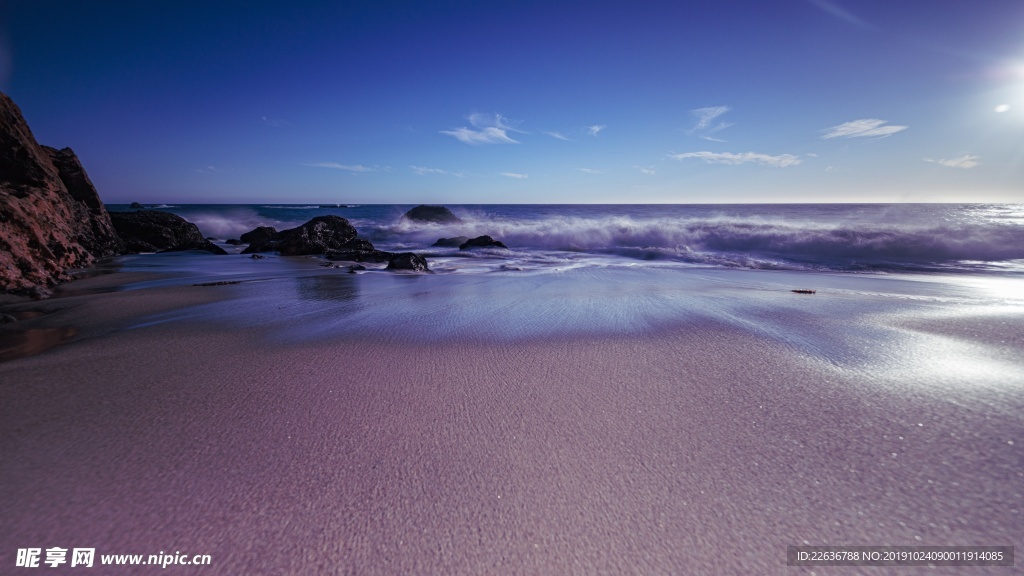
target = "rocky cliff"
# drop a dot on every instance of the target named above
(51, 218)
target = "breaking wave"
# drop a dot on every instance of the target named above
(841, 238)
(747, 242)
(234, 222)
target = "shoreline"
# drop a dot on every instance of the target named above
(180, 418)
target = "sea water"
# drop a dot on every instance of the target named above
(592, 271)
(875, 238)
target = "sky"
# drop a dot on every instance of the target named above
(468, 102)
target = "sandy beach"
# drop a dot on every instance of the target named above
(532, 288)
(694, 447)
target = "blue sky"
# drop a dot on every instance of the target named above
(509, 102)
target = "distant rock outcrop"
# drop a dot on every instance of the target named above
(482, 242)
(436, 214)
(450, 242)
(51, 218)
(319, 235)
(335, 238)
(156, 231)
(136, 206)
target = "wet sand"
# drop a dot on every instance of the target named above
(694, 447)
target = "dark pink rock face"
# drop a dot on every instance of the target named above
(51, 218)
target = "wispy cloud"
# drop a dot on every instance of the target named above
(559, 136)
(487, 129)
(590, 171)
(595, 129)
(422, 170)
(834, 9)
(966, 161)
(515, 175)
(780, 161)
(707, 116)
(649, 170)
(207, 170)
(865, 128)
(353, 168)
(708, 122)
(275, 122)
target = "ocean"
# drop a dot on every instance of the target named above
(574, 270)
(857, 238)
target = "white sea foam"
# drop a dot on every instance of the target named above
(825, 237)
(234, 222)
(747, 242)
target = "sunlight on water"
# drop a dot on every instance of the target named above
(947, 331)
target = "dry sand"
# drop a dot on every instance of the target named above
(698, 449)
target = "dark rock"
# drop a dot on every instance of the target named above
(136, 206)
(804, 291)
(436, 214)
(359, 255)
(408, 261)
(156, 231)
(51, 218)
(319, 235)
(257, 256)
(482, 242)
(259, 234)
(356, 268)
(5, 318)
(450, 242)
(233, 242)
(98, 235)
(358, 250)
(358, 244)
(210, 238)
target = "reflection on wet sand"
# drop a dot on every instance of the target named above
(21, 343)
(333, 288)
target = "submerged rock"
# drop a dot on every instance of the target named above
(450, 242)
(156, 231)
(436, 214)
(51, 217)
(408, 261)
(482, 242)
